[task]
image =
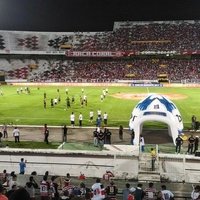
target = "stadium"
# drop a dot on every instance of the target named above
(141, 75)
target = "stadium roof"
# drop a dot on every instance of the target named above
(90, 15)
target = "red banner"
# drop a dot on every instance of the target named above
(94, 53)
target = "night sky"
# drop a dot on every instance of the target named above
(90, 15)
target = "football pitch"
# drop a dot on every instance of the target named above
(28, 109)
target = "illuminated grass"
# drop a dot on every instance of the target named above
(28, 109)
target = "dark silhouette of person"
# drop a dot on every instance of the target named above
(121, 132)
(46, 134)
(65, 133)
(179, 142)
(191, 140)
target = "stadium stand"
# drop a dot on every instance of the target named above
(142, 51)
(101, 71)
(140, 36)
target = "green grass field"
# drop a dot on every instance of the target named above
(29, 108)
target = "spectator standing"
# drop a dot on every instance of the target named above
(44, 189)
(111, 191)
(139, 193)
(150, 192)
(195, 195)
(191, 140)
(22, 166)
(121, 132)
(108, 175)
(98, 190)
(54, 194)
(16, 134)
(65, 129)
(10, 178)
(4, 178)
(166, 194)
(142, 143)
(68, 187)
(12, 181)
(126, 191)
(31, 185)
(196, 144)
(85, 191)
(131, 195)
(82, 176)
(179, 142)
(153, 158)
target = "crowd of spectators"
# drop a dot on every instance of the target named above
(149, 36)
(58, 188)
(131, 37)
(111, 71)
(177, 36)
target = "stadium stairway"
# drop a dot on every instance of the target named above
(145, 172)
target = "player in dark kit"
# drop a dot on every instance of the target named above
(45, 103)
(191, 140)
(68, 102)
(179, 142)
